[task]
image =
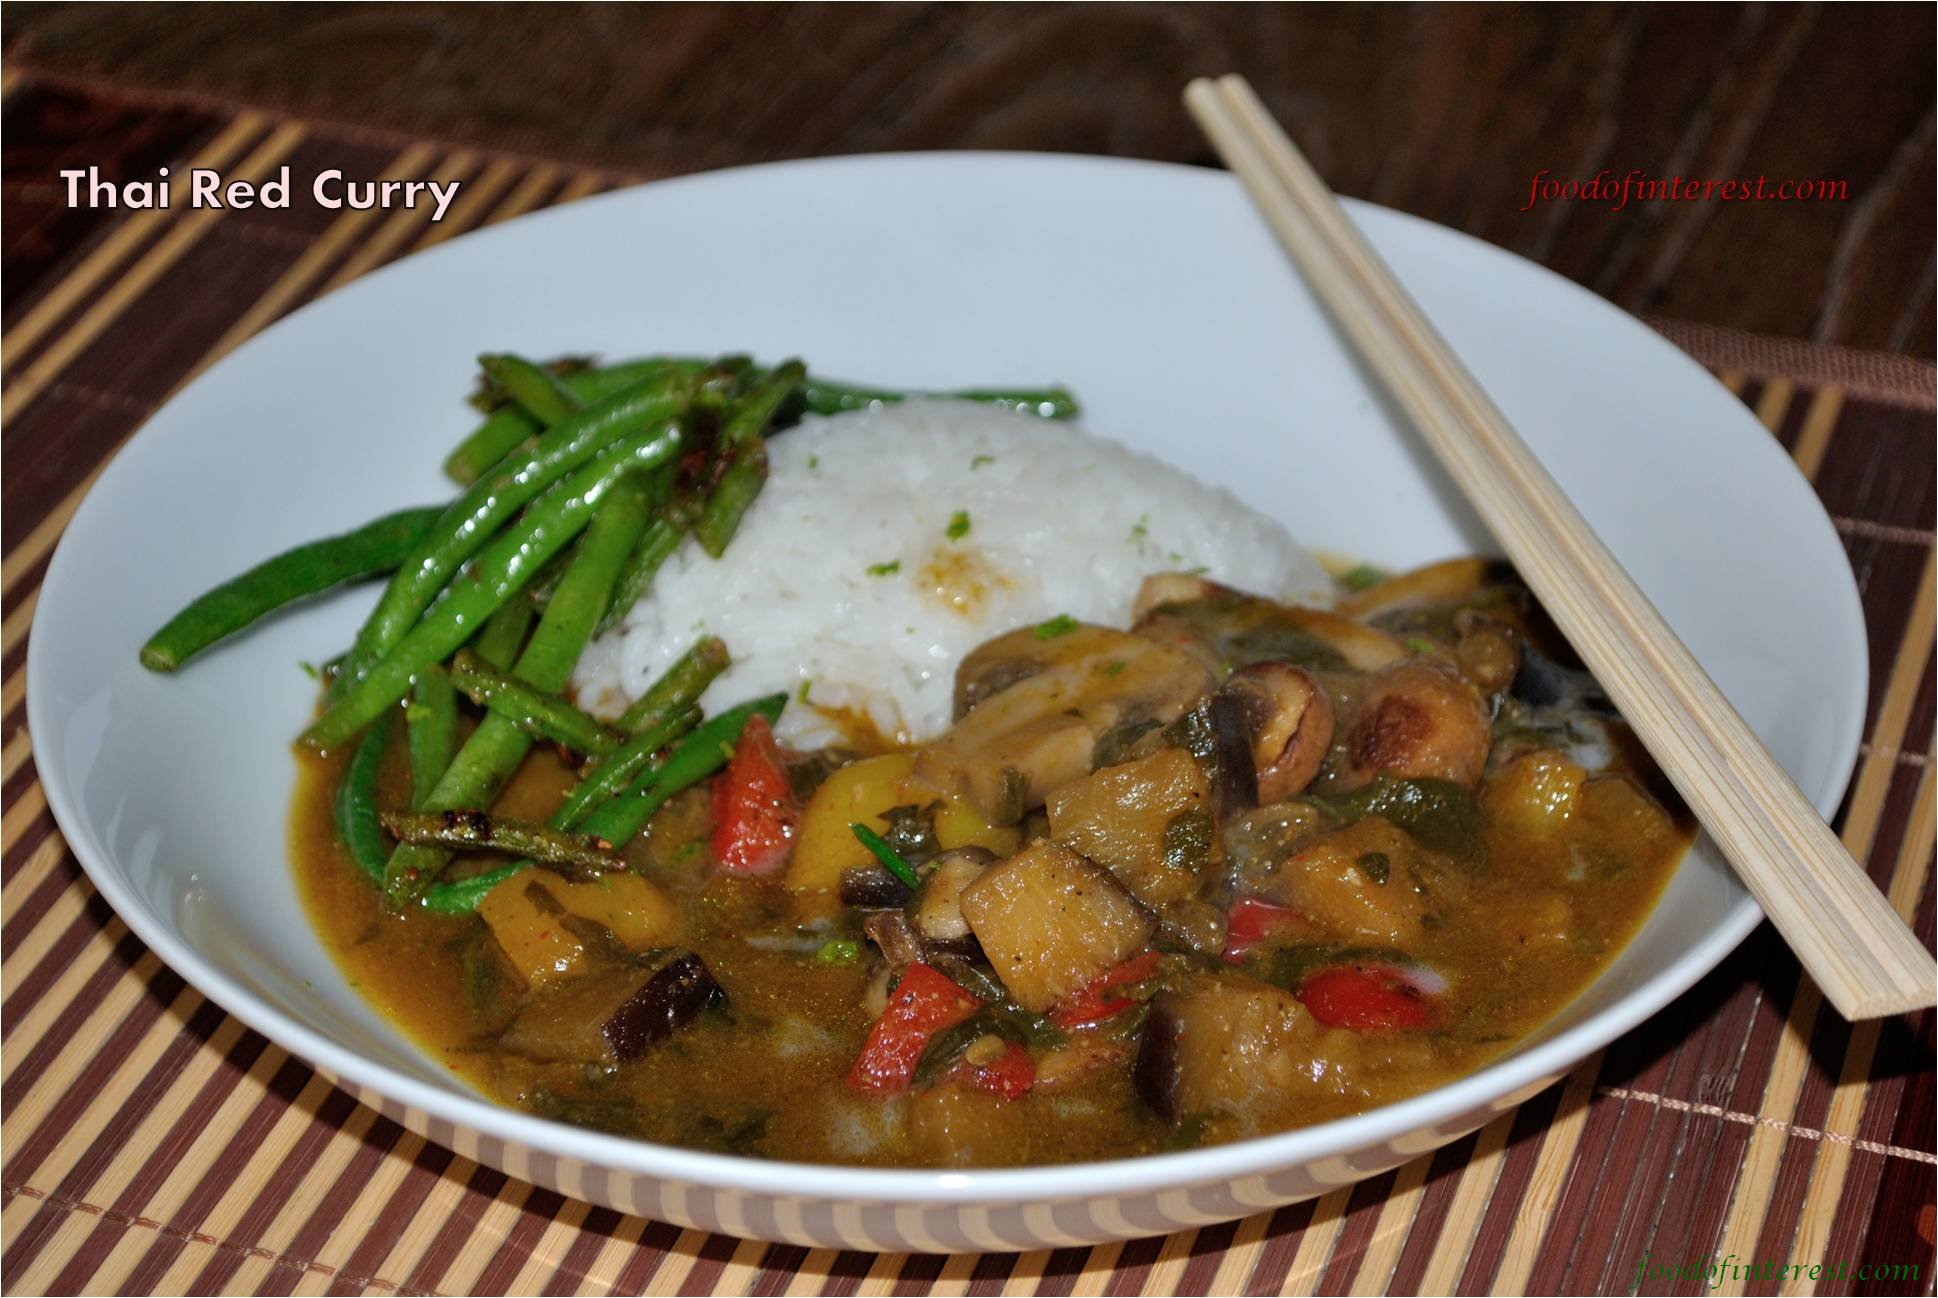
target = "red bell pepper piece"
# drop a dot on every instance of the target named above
(1254, 922)
(754, 811)
(1092, 1002)
(1365, 998)
(1010, 1074)
(924, 1003)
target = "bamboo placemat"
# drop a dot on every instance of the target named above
(152, 1144)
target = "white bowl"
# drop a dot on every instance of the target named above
(1155, 293)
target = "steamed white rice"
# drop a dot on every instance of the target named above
(845, 582)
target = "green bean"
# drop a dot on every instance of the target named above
(684, 682)
(663, 536)
(478, 515)
(356, 800)
(693, 759)
(496, 747)
(746, 452)
(504, 633)
(376, 547)
(509, 427)
(821, 396)
(532, 388)
(503, 431)
(474, 831)
(499, 573)
(620, 769)
(539, 714)
(431, 727)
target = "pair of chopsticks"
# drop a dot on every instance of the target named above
(1861, 954)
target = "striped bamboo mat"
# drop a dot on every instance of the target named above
(152, 1144)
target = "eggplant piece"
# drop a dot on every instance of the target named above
(669, 1000)
(899, 942)
(1224, 1043)
(562, 1023)
(1052, 922)
(937, 909)
(871, 887)
(1216, 732)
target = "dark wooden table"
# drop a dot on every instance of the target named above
(1446, 111)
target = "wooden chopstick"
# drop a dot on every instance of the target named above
(1856, 947)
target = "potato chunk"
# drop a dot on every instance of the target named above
(1229, 1044)
(1119, 817)
(953, 1125)
(1366, 881)
(1050, 922)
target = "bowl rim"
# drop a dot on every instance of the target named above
(1534, 1066)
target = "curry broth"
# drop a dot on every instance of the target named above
(765, 1075)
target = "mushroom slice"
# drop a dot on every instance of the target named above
(1436, 583)
(1018, 744)
(1289, 717)
(1417, 721)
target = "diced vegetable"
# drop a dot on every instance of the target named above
(1365, 998)
(938, 907)
(1098, 1000)
(958, 1125)
(1368, 881)
(1417, 721)
(525, 912)
(1534, 794)
(1118, 817)
(922, 1005)
(864, 792)
(564, 1023)
(1231, 1044)
(755, 816)
(1009, 1075)
(670, 999)
(1051, 922)
(1255, 922)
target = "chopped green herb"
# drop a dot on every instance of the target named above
(1140, 529)
(981, 460)
(310, 669)
(885, 569)
(1115, 667)
(891, 859)
(1061, 624)
(1416, 644)
(840, 950)
(958, 525)
(802, 694)
(814, 461)
(1364, 577)
(1197, 571)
